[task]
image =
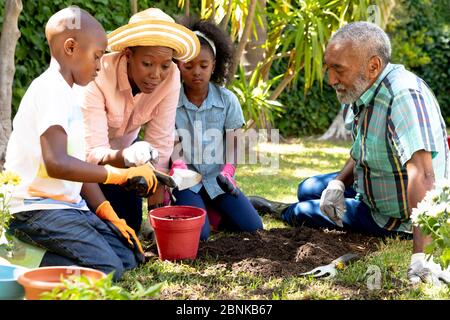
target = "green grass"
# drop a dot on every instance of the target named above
(210, 279)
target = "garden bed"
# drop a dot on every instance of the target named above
(281, 251)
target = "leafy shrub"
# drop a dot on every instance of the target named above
(420, 36)
(306, 115)
(83, 288)
(32, 52)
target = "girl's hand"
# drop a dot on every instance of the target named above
(226, 181)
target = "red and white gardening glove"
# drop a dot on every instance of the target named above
(168, 197)
(177, 164)
(226, 181)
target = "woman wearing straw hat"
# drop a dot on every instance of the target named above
(138, 86)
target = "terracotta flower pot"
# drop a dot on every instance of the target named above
(45, 279)
(177, 231)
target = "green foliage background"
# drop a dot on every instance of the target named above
(32, 53)
(419, 32)
(420, 37)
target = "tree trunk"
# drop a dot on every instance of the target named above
(254, 53)
(10, 35)
(337, 130)
(133, 6)
(187, 8)
(243, 41)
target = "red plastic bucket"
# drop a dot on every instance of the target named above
(177, 231)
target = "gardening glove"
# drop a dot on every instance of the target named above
(177, 164)
(139, 153)
(226, 181)
(141, 179)
(106, 212)
(182, 176)
(423, 269)
(332, 201)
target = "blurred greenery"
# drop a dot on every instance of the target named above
(420, 36)
(419, 30)
(306, 114)
(32, 53)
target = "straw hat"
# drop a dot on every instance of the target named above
(153, 27)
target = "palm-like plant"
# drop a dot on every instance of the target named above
(300, 29)
(297, 32)
(254, 95)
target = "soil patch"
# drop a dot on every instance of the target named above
(284, 251)
(279, 252)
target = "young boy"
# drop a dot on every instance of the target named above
(46, 150)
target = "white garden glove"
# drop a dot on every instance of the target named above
(139, 153)
(422, 269)
(332, 201)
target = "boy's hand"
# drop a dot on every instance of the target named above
(142, 179)
(106, 212)
(139, 153)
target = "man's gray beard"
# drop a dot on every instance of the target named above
(350, 96)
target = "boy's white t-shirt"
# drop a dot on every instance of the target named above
(49, 101)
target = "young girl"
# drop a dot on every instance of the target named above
(206, 113)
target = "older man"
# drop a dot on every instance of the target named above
(399, 148)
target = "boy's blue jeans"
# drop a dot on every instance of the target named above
(126, 204)
(237, 214)
(74, 237)
(358, 217)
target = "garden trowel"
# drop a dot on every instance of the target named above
(329, 271)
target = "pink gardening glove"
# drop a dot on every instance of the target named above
(226, 181)
(177, 164)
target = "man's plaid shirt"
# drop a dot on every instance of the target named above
(397, 116)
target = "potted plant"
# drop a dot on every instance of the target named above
(432, 216)
(9, 287)
(8, 181)
(84, 288)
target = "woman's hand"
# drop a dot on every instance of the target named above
(139, 153)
